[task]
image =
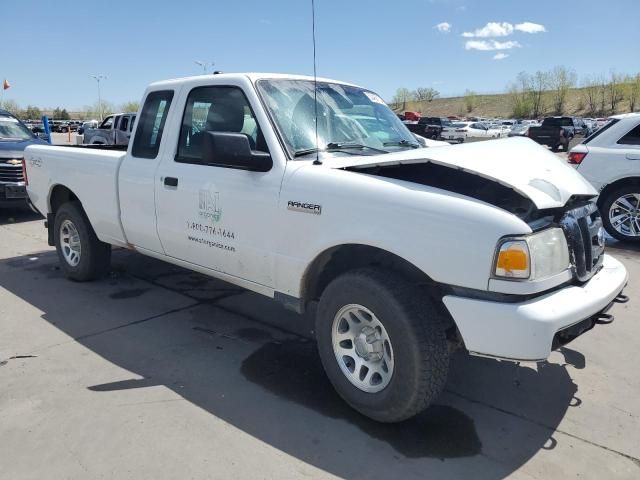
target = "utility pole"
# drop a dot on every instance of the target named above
(98, 78)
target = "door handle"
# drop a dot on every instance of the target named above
(633, 156)
(171, 181)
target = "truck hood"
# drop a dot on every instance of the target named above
(15, 148)
(517, 163)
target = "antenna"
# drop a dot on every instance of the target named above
(315, 80)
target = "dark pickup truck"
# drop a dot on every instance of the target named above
(556, 132)
(14, 138)
(429, 127)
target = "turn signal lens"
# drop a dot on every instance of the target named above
(24, 172)
(513, 260)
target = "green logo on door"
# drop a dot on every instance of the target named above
(209, 206)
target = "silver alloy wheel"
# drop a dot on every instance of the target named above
(70, 243)
(624, 215)
(362, 348)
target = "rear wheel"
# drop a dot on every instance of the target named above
(621, 213)
(82, 256)
(382, 344)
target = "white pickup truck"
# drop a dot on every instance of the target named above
(406, 251)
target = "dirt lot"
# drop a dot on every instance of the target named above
(156, 372)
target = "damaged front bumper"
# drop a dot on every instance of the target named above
(530, 329)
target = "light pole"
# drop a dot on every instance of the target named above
(204, 65)
(97, 79)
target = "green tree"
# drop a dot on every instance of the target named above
(470, 100)
(56, 114)
(538, 84)
(402, 96)
(561, 80)
(32, 113)
(633, 90)
(590, 89)
(130, 106)
(521, 96)
(615, 91)
(64, 115)
(92, 112)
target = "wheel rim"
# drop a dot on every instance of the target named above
(70, 243)
(362, 348)
(624, 215)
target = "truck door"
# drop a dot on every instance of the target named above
(122, 131)
(213, 216)
(136, 178)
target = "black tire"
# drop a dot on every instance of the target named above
(412, 322)
(605, 206)
(94, 257)
(555, 148)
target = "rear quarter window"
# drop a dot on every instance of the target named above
(151, 124)
(632, 137)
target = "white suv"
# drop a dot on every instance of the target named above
(610, 160)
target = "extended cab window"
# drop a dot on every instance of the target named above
(632, 137)
(124, 124)
(151, 125)
(216, 109)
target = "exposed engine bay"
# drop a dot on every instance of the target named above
(471, 185)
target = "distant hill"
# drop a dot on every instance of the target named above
(500, 105)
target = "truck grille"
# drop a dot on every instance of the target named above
(585, 236)
(10, 173)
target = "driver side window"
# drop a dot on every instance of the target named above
(216, 109)
(107, 123)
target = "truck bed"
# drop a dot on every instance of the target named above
(90, 173)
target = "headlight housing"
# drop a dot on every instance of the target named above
(532, 257)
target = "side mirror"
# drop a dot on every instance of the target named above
(234, 151)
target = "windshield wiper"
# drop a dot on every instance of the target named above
(402, 143)
(332, 146)
(337, 147)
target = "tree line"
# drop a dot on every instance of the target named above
(421, 94)
(533, 95)
(556, 91)
(88, 112)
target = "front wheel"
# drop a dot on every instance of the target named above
(382, 344)
(621, 213)
(82, 256)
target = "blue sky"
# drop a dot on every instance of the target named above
(50, 48)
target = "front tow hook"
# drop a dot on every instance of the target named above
(621, 298)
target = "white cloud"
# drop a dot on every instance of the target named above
(444, 27)
(529, 27)
(491, 29)
(500, 56)
(487, 45)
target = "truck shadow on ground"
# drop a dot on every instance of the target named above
(17, 215)
(239, 365)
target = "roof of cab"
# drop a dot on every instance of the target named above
(250, 75)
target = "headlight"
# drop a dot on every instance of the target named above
(534, 257)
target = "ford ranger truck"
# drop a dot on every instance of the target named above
(496, 247)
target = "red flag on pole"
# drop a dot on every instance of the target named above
(5, 84)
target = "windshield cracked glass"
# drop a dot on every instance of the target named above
(349, 119)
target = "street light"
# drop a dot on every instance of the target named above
(97, 79)
(204, 65)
